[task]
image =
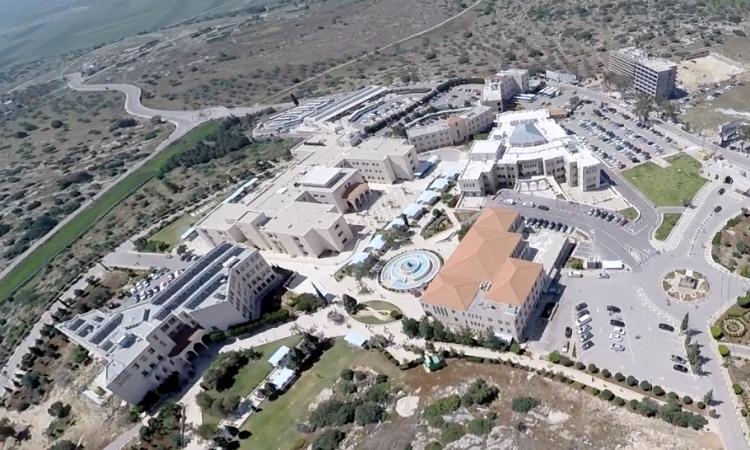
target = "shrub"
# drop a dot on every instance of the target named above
(743, 301)
(723, 350)
(607, 395)
(592, 368)
(515, 347)
(645, 385)
(479, 393)
(606, 373)
(737, 389)
(332, 413)
(396, 315)
(701, 405)
(579, 365)
(451, 432)
(631, 380)
(658, 391)
(672, 396)
(687, 400)
(328, 440)
(367, 413)
(716, 332)
(480, 427)
(619, 401)
(440, 407)
(524, 404)
(619, 377)
(554, 358)
(347, 374)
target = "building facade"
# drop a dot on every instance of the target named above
(343, 188)
(454, 130)
(145, 343)
(649, 76)
(501, 87)
(487, 284)
(382, 160)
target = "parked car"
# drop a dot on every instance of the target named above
(613, 309)
(666, 327)
(587, 345)
(575, 274)
(722, 191)
(617, 323)
(583, 320)
(603, 275)
(678, 359)
(581, 306)
(543, 207)
(717, 209)
(618, 330)
(616, 346)
(680, 368)
(615, 337)
(583, 313)
(584, 328)
(586, 337)
(568, 332)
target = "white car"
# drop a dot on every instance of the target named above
(615, 337)
(529, 204)
(583, 320)
(509, 201)
(618, 330)
(616, 347)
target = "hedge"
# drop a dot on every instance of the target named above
(272, 318)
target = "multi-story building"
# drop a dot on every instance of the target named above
(144, 343)
(524, 147)
(501, 87)
(382, 160)
(343, 188)
(651, 76)
(486, 284)
(300, 229)
(454, 130)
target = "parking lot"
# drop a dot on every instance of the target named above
(647, 350)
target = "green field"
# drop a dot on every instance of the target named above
(172, 232)
(629, 213)
(273, 428)
(668, 222)
(32, 29)
(675, 185)
(364, 317)
(250, 376)
(71, 231)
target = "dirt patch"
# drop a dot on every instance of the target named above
(706, 70)
(407, 406)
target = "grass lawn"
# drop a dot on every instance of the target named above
(252, 374)
(668, 186)
(72, 230)
(172, 232)
(273, 428)
(668, 222)
(366, 317)
(629, 213)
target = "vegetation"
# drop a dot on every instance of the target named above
(675, 185)
(668, 222)
(524, 404)
(433, 330)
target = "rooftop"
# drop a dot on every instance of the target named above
(640, 56)
(301, 217)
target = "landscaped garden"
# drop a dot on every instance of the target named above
(675, 185)
(685, 285)
(377, 312)
(731, 245)
(629, 213)
(733, 324)
(669, 221)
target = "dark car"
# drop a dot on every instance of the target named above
(543, 207)
(581, 306)
(583, 313)
(666, 327)
(717, 209)
(586, 337)
(722, 191)
(678, 359)
(568, 332)
(617, 323)
(587, 345)
(613, 309)
(680, 368)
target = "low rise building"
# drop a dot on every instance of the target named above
(382, 160)
(343, 188)
(454, 130)
(524, 147)
(501, 87)
(143, 344)
(651, 76)
(486, 284)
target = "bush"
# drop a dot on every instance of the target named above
(687, 400)
(723, 350)
(743, 301)
(592, 368)
(524, 404)
(701, 405)
(367, 413)
(480, 427)
(716, 332)
(658, 391)
(607, 395)
(440, 407)
(451, 432)
(672, 396)
(515, 347)
(631, 380)
(396, 315)
(579, 365)
(554, 358)
(347, 374)
(645, 386)
(328, 440)
(737, 389)
(619, 401)
(332, 413)
(619, 377)
(606, 373)
(479, 393)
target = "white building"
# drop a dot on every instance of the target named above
(525, 147)
(143, 344)
(343, 188)
(651, 76)
(455, 130)
(382, 160)
(503, 86)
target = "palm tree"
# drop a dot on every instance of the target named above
(643, 107)
(667, 110)
(743, 134)
(608, 79)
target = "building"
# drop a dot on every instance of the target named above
(651, 76)
(486, 283)
(454, 130)
(301, 229)
(382, 160)
(343, 188)
(528, 148)
(144, 343)
(501, 87)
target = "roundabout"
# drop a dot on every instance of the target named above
(685, 285)
(410, 270)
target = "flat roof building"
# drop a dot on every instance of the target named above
(454, 130)
(143, 344)
(651, 76)
(486, 283)
(502, 86)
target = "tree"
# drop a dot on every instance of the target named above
(644, 104)
(410, 327)
(573, 102)
(524, 404)
(368, 412)
(59, 410)
(350, 304)
(328, 440)
(608, 79)
(708, 397)
(64, 445)
(667, 110)
(479, 393)
(685, 323)
(7, 429)
(307, 303)
(425, 328)
(743, 134)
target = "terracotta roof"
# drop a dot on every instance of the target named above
(484, 255)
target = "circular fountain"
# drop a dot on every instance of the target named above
(410, 270)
